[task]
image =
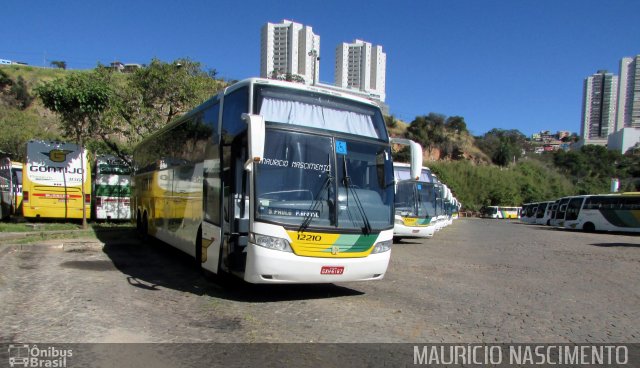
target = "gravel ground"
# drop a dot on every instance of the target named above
(476, 281)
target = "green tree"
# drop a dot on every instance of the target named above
(5, 80)
(19, 127)
(428, 130)
(390, 121)
(503, 146)
(79, 100)
(456, 123)
(59, 64)
(149, 98)
(21, 93)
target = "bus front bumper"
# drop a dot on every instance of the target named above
(414, 231)
(267, 266)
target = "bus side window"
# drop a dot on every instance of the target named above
(630, 203)
(212, 174)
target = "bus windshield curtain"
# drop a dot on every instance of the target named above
(315, 116)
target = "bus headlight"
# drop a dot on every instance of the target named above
(270, 242)
(381, 247)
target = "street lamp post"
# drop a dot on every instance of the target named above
(313, 53)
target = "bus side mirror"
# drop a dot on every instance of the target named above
(416, 160)
(256, 136)
(416, 156)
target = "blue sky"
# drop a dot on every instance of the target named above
(511, 64)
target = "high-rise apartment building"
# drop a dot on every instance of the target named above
(629, 94)
(598, 107)
(362, 66)
(289, 47)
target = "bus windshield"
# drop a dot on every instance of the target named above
(311, 180)
(415, 199)
(491, 210)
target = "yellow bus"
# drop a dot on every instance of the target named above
(54, 174)
(501, 212)
(273, 182)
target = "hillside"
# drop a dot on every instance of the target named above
(493, 169)
(22, 116)
(139, 103)
(442, 139)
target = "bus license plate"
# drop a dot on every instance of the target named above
(332, 270)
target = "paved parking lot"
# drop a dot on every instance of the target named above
(476, 281)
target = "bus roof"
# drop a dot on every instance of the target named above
(298, 86)
(253, 81)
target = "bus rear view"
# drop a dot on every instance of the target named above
(52, 181)
(112, 189)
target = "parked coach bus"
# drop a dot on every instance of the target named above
(10, 188)
(543, 213)
(608, 212)
(557, 220)
(415, 203)
(528, 213)
(112, 189)
(499, 212)
(52, 181)
(274, 182)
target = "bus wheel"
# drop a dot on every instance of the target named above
(138, 223)
(589, 227)
(199, 248)
(145, 228)
(224, 278)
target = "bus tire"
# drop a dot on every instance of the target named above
(138, 222)
(199, 249)
(589, 227)
(145, 228)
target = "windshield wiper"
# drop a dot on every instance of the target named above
(317, 203)
(347, 183)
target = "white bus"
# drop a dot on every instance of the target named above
(557, 220)
(543, 213)
(551, 212)
(607, 212)
(439, 210)
(10, 188)
(112, 189)
(527, 214)
(274, 182)
(501, 212)
(415, 203)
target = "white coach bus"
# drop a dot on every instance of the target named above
(274, 182)
(112, 189)
(607, 212)
(415, 203)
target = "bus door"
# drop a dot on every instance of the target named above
(16, 183)
(235, 183)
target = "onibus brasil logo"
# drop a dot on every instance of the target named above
(25, 355)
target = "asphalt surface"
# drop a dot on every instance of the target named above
(476, 281)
